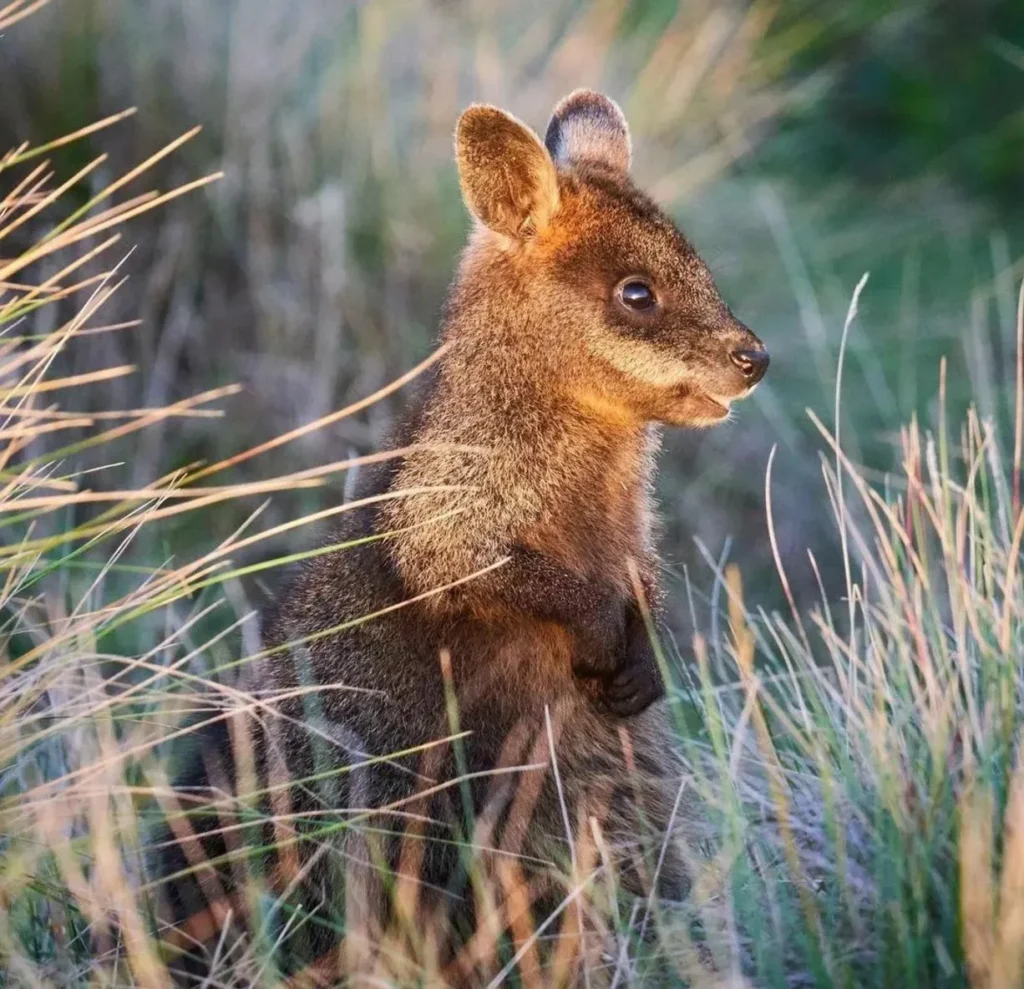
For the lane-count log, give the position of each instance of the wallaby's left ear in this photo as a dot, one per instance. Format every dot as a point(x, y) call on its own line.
point(508, 179)
point(588, 128)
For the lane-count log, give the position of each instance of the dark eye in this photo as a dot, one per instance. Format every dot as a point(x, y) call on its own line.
point(636, 295)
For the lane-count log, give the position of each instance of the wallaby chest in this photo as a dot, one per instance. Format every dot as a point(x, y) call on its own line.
point(598, 517)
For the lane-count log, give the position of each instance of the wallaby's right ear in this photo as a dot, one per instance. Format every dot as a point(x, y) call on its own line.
point(588, 128)
point(508, 179)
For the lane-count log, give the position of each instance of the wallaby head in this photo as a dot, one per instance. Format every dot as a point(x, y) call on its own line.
point(613, 303)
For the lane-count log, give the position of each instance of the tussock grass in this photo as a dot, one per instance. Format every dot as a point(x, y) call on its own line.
point(84, 728)
point(865, 755)
point(858, 764)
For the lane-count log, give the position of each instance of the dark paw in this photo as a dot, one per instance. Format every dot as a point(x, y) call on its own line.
point(595, 661)
point(632, 690)
point(600, 655)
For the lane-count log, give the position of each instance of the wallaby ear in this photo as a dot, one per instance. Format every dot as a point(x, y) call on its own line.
point(588, 128)
point(508, 179)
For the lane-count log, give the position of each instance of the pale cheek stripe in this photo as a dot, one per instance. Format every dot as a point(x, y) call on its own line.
point(663, 373)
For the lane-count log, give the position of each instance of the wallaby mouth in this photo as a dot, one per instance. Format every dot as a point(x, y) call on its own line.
point(725, 401)
point(696, 407)
point(722, 402)
point(705, 407)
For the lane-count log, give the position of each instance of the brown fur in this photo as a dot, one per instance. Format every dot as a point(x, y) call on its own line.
point(541, 425)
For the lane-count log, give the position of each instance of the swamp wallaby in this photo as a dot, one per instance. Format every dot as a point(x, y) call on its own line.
point(504, 695)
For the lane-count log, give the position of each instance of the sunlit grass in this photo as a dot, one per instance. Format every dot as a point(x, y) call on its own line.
point(857, 764)
point(83, 727)
point(864, 760)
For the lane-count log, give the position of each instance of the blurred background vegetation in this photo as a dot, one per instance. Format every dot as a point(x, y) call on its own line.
point(800, 143)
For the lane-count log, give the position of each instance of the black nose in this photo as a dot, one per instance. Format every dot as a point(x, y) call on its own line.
point(752, 364)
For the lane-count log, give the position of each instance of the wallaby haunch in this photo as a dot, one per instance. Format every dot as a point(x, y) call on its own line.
point(579, 322)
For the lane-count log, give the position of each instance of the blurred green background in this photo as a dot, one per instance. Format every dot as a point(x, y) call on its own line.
point(799, 144)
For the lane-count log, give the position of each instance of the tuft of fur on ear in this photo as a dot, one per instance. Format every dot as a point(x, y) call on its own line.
point(508, 179)
point(588, 128)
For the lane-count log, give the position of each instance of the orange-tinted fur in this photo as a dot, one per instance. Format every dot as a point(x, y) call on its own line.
point(539, 430)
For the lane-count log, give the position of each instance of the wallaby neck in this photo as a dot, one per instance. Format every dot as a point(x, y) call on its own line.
point(500, 390)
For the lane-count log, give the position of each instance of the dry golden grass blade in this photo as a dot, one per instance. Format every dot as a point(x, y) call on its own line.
point(14, 479)
point(18, 504)
point(25, 190)
point(35, 299)
point(327, 420)
point(977, 887)
point(234, 546)
point(179, 409)
point(75, 234)
point(100, 219)
point(14, 12)
point(9, 309)
point(51, 197)
point(189, 573)
point(1008, 954)
point(9, 156)
point(31, 429)
point(42, 352)
point(88, 331)
point(28, 389)
point(125, 179)
point(46, 351)
point(143, 418)
point(108, 527)
point(26, 153)
point(16, 286)
point(71, 381)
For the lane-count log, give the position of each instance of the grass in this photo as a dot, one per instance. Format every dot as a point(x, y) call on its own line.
point(858, 764)
point(856, 760)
